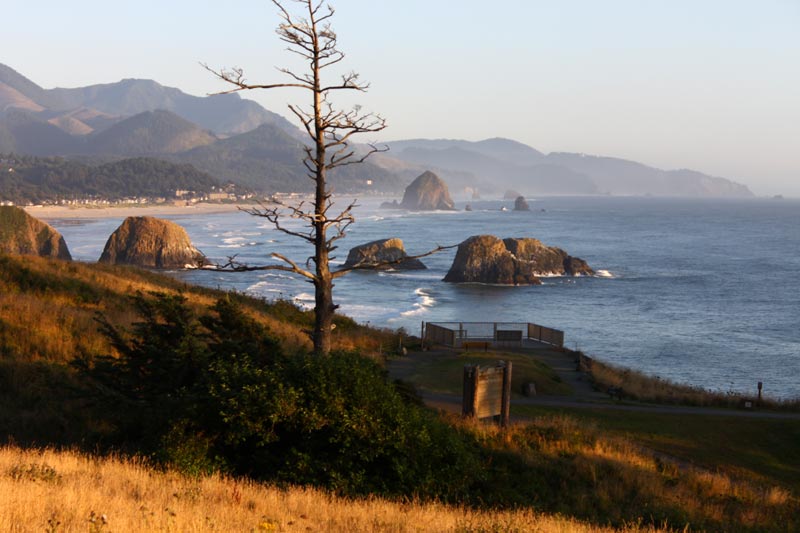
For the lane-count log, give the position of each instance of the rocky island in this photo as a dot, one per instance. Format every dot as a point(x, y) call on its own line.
point(381, 255)
point(520, 204)
point(151, 243)
point(427, 193)
point(513, 261)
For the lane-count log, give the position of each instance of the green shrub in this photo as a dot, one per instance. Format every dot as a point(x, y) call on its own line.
point(216, 392)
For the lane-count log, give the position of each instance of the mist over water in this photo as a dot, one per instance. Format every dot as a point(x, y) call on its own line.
point(703, 292)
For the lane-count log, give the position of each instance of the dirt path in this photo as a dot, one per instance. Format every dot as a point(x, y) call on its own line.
point(584, 396)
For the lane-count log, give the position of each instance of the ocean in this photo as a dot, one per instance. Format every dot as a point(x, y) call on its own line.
point(700, 291)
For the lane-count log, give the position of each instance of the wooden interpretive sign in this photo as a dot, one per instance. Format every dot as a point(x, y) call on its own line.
point(487, 391)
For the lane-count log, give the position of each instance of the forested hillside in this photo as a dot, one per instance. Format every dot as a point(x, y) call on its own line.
point(30, 179)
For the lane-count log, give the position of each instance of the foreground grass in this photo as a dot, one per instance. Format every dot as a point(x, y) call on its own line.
point(46, 490)
point(765, 451)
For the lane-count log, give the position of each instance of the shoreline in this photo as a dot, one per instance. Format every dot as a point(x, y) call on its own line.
point(51, 212)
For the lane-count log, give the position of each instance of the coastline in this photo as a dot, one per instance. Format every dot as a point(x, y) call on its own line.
point(49, 212)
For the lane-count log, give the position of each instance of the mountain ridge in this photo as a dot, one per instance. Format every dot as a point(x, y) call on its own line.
point(499, 163)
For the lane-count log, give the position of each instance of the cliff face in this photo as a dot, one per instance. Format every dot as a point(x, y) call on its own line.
point(427, 193)
point(22, 234)
point(488, 259)
point(151, 243)
point(372, 254)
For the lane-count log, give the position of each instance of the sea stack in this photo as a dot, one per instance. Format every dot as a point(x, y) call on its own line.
point(382, 255)
point(520, 204)
point(22, 234)
point(151, 243)
point(427, 193)
point(488, 259)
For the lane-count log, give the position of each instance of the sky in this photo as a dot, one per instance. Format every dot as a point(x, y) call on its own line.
point(703, 84)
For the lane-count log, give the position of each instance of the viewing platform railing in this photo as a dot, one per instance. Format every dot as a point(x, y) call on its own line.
point(492, 334)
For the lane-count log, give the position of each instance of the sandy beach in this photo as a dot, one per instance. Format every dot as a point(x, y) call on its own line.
point(61, 212)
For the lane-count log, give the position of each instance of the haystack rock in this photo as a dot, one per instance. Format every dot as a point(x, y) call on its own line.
point(375, 255)
point(427, 193)
point(22, 234)
point(151, 243)
point(520, 204)
point(510, 194)
point(488, 259)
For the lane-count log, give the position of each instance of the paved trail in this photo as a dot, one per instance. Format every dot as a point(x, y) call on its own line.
point(584, 395)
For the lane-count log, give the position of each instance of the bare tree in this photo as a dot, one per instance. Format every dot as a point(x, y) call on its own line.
point(310, 36)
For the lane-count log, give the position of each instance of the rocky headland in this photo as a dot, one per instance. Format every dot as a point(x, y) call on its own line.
point(151, 243)
point(513, 261)
point(22, 234)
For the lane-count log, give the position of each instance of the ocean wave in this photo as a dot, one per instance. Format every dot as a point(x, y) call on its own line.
point(425, 302)
point(604, 274)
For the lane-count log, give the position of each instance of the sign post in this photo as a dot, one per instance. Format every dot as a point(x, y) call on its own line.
point(487, 392)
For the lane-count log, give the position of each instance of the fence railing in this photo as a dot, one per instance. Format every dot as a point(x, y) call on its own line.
point(455, 334)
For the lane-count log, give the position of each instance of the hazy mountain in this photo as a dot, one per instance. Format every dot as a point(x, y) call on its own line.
point(12, 98)
point(222, 114)
point(149, 133)
point(25, 133)
point(28, 89)
point(498, 164)
point(506, 150)
point(268, 159)
point(619, 176)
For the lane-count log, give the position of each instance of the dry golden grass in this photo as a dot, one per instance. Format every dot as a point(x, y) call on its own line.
point(46, 490)
point(610, 468)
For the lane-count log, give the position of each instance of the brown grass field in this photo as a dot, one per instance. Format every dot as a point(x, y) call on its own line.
point(51, 491)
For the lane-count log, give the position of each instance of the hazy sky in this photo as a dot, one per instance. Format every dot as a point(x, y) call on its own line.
point(703, 84)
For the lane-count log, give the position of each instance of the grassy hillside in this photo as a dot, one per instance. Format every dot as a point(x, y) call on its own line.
point(184, 392)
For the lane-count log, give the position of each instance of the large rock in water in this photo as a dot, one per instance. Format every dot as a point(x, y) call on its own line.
point(547, 260)
point(22, 234)
point(372, 254)
point(520, 204)
point(488, 259)
point(151, 243)
point(427, 193)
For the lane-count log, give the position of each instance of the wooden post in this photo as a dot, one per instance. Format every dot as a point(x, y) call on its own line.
point(760, 386)
point(468, 391)
point(505, 410)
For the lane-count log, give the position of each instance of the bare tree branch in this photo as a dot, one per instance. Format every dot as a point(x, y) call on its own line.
point(363, 265)
point(310, 36)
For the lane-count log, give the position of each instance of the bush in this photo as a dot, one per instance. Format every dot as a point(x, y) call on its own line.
point(216, 392)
